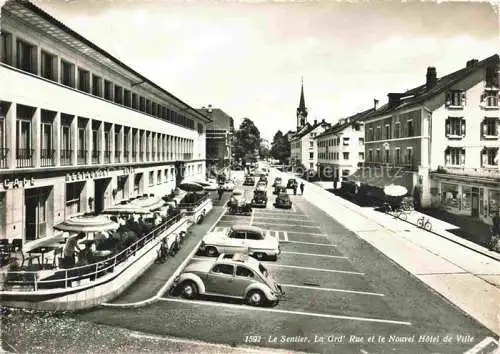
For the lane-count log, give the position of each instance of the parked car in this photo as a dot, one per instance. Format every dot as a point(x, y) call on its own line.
point(259, 197)
point(261, 184)
point(279, 189)
point(209, 185)
point(253, 240)
point(283, 201)
point(263, 178)
point(235, 276)
point(249, 181)
point(277, 181)
point(292, 182)
point(238, 203)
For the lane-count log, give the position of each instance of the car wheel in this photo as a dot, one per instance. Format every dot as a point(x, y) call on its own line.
point(212, 252)
point(256, 298)
point(259, 255)
point(189, 290)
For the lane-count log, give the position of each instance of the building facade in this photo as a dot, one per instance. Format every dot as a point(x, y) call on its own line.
point(79, 130)
point(444, 136)
point(341, 148)
point(219, 135)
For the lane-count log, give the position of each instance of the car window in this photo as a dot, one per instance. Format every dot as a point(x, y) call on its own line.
point(223, 268)
point(254, 236)
point(263, 270)
point(243, 272)
point(238, 235)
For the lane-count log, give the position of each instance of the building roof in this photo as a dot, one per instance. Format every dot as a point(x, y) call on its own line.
point(36, 17)
point(220, 119)
point(346, 122)
point(421, 93)
point(307, 129)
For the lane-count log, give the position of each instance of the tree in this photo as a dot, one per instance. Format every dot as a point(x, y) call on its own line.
point(246, 141)
point(280, 147)
point(263, 150)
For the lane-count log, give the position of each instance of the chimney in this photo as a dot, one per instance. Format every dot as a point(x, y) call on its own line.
point(471, 62)
point(315, 121)
point(394, 99)
point(431, 78)
point(375, 104)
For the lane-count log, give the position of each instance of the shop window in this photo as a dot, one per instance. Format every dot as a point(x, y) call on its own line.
point(449, 197)
point(466, 202)
point(121, 182)
point(27, 57)
point(137, 183)
point(493, 201)
point(49, 66)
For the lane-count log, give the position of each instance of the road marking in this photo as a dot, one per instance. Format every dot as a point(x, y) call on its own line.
point(331, 289)
point(285, 236)
point(281, 224)
point(308, 233)
point(251, 219)
point(300, 313)
point(285, 218)
point(314, 254)
point(312, 243)
point(169, 282)
point(312, 268)
point(293, 208)
point(279, 212)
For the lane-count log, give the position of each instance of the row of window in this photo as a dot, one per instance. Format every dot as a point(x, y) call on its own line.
point(455, 156)
point(336, 141)
point(89, 136)
point(391, 156)
point(388, 133)
point(82, 79)
point(336, 155)
point(455, 127)
point(458, 98)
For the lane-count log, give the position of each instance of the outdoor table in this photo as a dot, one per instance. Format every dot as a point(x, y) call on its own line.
point(41, 250)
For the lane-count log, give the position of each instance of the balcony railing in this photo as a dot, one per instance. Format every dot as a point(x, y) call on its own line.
point(81, 156)
point(117, 156)
point(4, 152)
point(134, 156)
point(187, 156)
point(66, 157)
point(24, 157)
point(125, 156)
point(47, 157)
point(107, 156)
point(95, 156)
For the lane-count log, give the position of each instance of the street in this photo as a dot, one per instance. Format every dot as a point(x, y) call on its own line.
point(341, 293)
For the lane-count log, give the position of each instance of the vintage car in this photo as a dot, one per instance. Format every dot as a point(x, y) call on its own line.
point(239, 203)
point(278, 189)
point(209, 185)
point(249, 181)
point(234, 276)
point(263, 178)
point(283, 201)
point(277, 181)
point(241, 238)
point(259, 197)
point(292, 183)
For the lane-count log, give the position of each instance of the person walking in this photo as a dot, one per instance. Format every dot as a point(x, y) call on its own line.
point(220, 191)
point(301, 188)
point(294, 187)
point(495, 231)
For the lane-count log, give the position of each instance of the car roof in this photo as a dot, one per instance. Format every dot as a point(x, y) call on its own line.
point(236, 258)
point(244, 227)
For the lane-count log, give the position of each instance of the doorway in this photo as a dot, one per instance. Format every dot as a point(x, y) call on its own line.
point(100, 187)
point(35, 213)
point(475, 202)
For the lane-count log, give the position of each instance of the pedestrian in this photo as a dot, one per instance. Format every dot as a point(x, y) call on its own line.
point(301, 188)
point(294, 187)
point(221, 192)
point(495, 231)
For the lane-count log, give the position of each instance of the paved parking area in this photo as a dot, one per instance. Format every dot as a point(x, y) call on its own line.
point(341, 296)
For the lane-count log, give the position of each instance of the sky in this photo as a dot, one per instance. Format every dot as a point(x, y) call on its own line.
point(248, 58)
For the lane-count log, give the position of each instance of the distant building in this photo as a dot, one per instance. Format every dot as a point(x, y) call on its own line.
point(441, 140)
point(218, 137)
point(303, 147)
point(341, 148)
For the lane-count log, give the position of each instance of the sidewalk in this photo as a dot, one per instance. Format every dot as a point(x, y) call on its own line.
point(467, 274)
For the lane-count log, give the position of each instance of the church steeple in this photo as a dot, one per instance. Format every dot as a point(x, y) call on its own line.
point(302, 109)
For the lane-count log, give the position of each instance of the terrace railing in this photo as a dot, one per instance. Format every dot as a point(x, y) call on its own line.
point(3, 157)
point(24, 157)
point(29, 281)
point(47, 157)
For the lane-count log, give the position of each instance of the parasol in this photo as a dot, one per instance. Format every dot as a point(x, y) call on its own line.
point(126, 209)
point(150, 203)
point(87, 223)
point(395, 190)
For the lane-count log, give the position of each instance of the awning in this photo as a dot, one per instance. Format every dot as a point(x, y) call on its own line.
point(380, 177)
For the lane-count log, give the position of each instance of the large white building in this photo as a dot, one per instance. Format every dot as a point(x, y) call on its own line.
point(79, 129)
point(341, 148)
